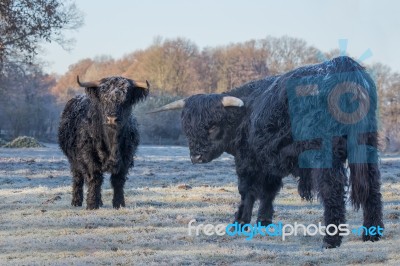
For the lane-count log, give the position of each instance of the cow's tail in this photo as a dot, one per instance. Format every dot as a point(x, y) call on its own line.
point(364, 175)
point(359, 184)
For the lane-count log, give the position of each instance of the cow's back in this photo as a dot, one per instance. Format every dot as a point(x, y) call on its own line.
point(291, 110)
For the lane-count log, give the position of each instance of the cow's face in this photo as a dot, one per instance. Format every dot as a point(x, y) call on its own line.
point(207, 125)
point(116, 96)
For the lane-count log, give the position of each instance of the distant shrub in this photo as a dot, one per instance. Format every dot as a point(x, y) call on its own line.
point(24, 142)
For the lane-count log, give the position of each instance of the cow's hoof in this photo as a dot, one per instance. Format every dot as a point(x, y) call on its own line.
point(328, 246)
point(371, 238)
point(93, 205)
point(76, 203)
point(332, 241)
point(378, 232)
point(241, 222)
point(240, 226)
point(264, 222)
point(118, 204)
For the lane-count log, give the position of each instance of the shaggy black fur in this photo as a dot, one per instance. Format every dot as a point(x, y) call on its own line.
point(261, 138)
point(94, 146)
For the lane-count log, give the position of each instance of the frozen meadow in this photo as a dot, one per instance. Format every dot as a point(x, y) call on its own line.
point(163, 193)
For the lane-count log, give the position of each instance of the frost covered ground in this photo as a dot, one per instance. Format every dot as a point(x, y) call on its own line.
point(164, 192)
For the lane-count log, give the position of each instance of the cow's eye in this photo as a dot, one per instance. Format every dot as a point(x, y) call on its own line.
point(212, 129)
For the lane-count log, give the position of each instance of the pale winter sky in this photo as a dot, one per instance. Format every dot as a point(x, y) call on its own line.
point(119, 27)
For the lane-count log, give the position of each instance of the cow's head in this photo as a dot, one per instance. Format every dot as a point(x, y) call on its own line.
point(115, 97)
point(207, 123)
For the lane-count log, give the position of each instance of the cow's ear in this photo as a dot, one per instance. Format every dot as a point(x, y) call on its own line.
point(92, 92)
point(140, 91)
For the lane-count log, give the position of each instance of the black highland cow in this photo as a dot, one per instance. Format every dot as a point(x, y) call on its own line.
point(295, 124)
point(98, 134)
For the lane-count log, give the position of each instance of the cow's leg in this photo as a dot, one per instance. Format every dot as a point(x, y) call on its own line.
point(366, 182)
point(248, 204)
point(94, 182)
point(305, 185)
point(77, 188)
point(372, 208)
point(118, 182)
point(248, 196)
point(331, 186)
point(239, 212)
point(267, 196)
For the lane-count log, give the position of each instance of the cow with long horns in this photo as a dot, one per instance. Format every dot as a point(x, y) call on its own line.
point(98, 134)
point(307, 123)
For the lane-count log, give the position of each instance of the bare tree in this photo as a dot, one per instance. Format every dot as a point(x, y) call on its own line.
point(388, 85)
point(28, 108)
point(26, 23)
point(287, 53)
point(26, 105)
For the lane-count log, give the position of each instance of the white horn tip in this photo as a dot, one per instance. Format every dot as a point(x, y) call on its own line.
point(232, 101)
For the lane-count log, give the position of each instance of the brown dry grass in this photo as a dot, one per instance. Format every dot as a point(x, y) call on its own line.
point(38, 226)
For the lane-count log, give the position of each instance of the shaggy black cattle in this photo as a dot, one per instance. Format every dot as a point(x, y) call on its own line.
point(306, 123)
point(98, 134)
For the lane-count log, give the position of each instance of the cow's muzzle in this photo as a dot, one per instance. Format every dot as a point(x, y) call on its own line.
point(196, 159)
point(112, 120)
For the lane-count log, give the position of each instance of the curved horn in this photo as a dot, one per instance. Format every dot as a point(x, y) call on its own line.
point(171, 106)
point(142, 85)
point(90, 84)
point(232, 101)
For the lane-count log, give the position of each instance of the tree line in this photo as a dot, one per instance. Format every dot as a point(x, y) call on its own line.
point(178, 68)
